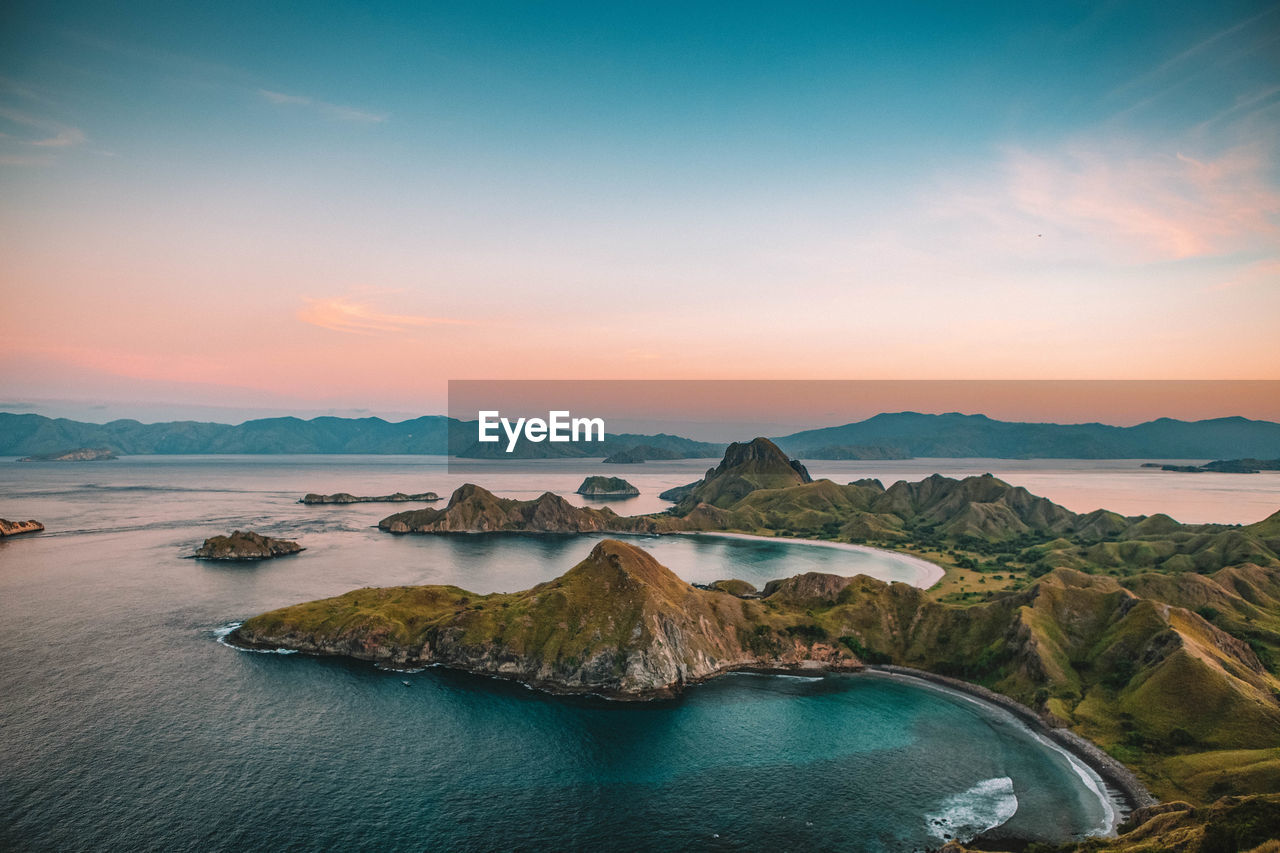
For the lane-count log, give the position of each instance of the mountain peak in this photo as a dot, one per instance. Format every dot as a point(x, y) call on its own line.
point(746, 467)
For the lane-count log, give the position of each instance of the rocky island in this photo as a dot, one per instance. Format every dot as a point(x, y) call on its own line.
point(1157, 641)
point(1223, 466)
point(16, 528)
point(346, 498)
point(243, 545)
point(82, 454)
point(607, 487)
point(1083, 652)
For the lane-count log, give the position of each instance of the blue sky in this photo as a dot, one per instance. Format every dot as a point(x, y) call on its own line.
point(715, 190)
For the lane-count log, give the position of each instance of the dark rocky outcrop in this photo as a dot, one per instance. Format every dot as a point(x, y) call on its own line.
point(607, 487)
point(347, 498)
point(16, 528)
point(245, 545)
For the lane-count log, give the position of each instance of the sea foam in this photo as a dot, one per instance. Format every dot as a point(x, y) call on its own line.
point(963, 816)
point(221, 634)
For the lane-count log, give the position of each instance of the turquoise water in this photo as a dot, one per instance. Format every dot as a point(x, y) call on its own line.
point(125, 724)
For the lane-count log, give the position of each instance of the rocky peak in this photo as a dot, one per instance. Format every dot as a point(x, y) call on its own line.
point(746, 467)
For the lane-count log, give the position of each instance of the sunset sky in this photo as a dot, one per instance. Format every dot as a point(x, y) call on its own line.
point(330, 206)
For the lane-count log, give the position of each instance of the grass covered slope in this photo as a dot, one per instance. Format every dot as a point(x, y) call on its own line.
point(618, 624)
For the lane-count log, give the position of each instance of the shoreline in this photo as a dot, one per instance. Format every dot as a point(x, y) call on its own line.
point(919, 563)
point(1113, 773)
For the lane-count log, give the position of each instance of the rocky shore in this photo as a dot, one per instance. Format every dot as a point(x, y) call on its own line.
point(15, 528)
point(1115, 774)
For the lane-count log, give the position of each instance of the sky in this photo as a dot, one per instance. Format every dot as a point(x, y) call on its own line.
point(338, 207)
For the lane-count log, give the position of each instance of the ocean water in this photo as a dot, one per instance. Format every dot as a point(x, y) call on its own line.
point(126, 724)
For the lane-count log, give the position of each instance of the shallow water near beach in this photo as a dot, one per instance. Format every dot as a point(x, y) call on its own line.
point(126, 724)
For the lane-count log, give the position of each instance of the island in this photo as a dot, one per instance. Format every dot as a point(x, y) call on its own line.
point(82, 454)
point(17, 528)
point(346, 498)
point(245, 545)
point(1141, 641)
point(1223, 466)
point(607, 487)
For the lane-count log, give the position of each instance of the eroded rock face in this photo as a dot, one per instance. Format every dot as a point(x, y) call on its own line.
point(14, 528)
point(246, 545)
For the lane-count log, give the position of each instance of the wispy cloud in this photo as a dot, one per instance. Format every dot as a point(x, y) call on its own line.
point(348, 314)
point(1129, 201)
point(324, 108)
point(41, 132)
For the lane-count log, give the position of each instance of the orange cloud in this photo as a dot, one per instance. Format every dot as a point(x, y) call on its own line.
point(1158, 206)
point(342, 314)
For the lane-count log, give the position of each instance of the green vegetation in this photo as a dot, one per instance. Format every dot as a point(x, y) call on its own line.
point(1158, 641)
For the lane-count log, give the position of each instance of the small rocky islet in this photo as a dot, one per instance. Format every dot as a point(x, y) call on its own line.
point(348, 498)
point(607, 487)
point(245, 546)
point(17, 528)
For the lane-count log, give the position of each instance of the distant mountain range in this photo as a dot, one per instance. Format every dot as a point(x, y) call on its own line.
point(953, 435)
point(32, 435)
point(887, 436)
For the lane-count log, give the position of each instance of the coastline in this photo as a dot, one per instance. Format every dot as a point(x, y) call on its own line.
point(924, 569)
point(1117, 776)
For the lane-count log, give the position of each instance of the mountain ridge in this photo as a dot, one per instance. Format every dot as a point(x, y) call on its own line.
point(887, 435)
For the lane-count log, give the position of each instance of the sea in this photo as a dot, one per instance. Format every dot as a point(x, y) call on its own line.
point(127, 723)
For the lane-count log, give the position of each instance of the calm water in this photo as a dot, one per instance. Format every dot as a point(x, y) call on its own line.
point(124, 723)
